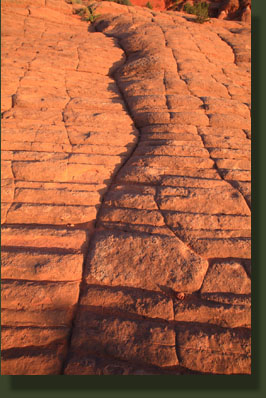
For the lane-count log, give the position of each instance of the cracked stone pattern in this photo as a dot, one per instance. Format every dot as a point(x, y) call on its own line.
point(126, 192)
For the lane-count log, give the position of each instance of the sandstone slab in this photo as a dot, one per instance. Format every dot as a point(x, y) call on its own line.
point(126, 143)
point(219, 351)
point(144, 261)
point(126, 339)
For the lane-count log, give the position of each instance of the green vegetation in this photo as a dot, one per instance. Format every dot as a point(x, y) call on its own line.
point(123, 2)
point(149, 5)
point(87, 14)
point(201, 9)
point(189, 9)
point(74, 1)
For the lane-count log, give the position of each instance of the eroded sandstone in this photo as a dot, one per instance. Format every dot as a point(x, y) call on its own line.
point(126, 192)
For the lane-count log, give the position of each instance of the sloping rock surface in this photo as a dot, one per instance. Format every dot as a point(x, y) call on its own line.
point(125, 192)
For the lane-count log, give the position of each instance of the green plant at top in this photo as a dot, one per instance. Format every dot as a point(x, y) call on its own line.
point(149, 5)
point(74, 1)
point(87, 14)
point(200, 9)
point(123, 2)
point(188, 8)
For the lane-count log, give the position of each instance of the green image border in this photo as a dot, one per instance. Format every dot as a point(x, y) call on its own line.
point(190, 386)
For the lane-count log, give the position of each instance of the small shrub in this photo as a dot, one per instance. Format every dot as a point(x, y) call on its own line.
point(74, 1)
point(188, 8)
point(200, 9)
point(87, 14)
point(202, 12)
point(123, 2)
point(81, 12)
point(149, 5)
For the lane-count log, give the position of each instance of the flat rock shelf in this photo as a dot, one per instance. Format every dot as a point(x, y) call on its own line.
point(125, 192)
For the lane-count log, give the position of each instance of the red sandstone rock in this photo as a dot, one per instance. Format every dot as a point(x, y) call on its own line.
point(44, 238)
point(128, 148)
point(136, 262)
point(219, 351)
point(37, 266)
point(222, 314)
point(87, 365)
point(37, 363)
point(126, 339)
point(227, 277)
point(22, 337)
point(117, 300)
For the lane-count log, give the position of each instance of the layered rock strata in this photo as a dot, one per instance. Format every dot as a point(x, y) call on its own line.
point(151, 134)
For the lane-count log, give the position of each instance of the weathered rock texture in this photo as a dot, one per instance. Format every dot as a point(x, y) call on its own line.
point(126, 192)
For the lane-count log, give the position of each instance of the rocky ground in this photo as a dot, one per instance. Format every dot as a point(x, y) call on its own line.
point(125, 192)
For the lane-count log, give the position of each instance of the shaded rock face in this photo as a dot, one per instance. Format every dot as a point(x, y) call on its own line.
point(222, 9)
point(126, 192)
point(236, 9)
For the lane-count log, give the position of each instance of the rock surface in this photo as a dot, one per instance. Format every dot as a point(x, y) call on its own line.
point(125, 192)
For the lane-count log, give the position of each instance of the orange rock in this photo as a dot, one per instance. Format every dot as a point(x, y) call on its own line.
point(44, 238)
point(133, 216)
point(38, 304)
point(227, 277)
point(130, 200)
point(57, 196)
point(223, 248)
point(205, 201)
point(197, 221)
point(102, 366)
point(38, 266)
point(40, 363)
point(25, 213)
point(222, 120)
point(125, 142)
point(213, 349)
point(201, 87)
point(217, 105)
point(133, 301)
point(144, 261)
point(23, 337)
point(221, 314)
point(126, 339)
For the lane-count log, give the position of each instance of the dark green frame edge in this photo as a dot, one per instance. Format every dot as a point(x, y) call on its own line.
point(190, 386)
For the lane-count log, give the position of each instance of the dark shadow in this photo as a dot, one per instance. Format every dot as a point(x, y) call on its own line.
point(168, 291)
point(153, 382)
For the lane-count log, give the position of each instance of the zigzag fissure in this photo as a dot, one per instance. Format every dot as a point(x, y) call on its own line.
point(90, 238)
